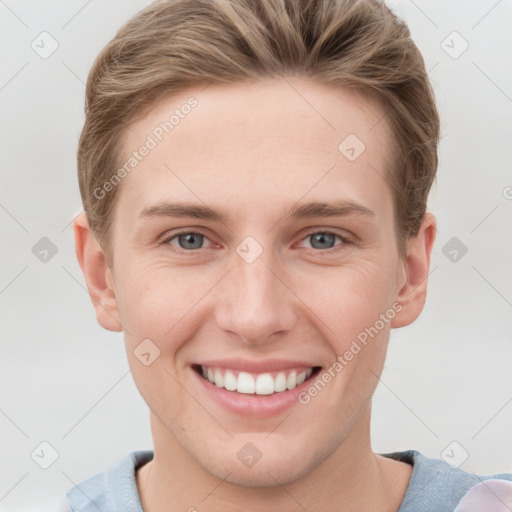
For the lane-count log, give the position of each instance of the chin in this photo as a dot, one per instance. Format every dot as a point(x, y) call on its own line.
point(271, 474)
point(274, 467)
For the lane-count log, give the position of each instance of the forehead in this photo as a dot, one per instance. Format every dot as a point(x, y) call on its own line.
point(283, 137)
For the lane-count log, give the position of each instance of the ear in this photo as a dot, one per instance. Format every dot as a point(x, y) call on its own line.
point(97, 274)
point(416, 264)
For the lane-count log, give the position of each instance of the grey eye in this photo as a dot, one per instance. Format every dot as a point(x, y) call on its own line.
point(191, 240)
point(322, 240)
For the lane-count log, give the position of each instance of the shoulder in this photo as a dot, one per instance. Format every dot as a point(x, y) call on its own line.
point(435, 485)
point(112, 490)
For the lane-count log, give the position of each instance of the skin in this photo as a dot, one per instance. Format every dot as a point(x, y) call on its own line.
point(254, 150)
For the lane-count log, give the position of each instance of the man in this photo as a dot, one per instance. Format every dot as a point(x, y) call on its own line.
point(255, 177)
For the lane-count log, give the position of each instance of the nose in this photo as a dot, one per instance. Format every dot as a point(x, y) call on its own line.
point(254, 303)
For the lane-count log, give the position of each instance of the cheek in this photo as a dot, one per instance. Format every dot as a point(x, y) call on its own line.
point(155, 306)
point(158, 302)
point(359, 309)
point(350, 299)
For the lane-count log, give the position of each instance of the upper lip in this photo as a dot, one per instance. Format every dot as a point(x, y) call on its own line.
point(253, 366)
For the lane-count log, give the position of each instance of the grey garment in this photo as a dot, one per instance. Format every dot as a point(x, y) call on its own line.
point(434, 486)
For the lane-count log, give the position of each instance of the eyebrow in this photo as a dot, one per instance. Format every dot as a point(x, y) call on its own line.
point(183, 210)
point(298, 211)
point(317, 209)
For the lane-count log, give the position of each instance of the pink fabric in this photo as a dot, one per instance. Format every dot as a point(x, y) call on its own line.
point(487, 496)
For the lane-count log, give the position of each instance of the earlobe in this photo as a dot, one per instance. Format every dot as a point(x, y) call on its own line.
point(97, 275)
point(413, 293)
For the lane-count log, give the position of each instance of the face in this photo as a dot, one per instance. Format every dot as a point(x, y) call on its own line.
point(254, 247)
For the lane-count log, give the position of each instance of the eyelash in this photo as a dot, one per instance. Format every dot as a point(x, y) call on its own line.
point(344, 239)
point(344, 242)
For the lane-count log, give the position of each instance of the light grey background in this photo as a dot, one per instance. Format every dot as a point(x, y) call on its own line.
point(66, 381)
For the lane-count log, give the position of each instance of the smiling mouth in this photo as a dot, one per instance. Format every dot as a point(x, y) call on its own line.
point(268, 383)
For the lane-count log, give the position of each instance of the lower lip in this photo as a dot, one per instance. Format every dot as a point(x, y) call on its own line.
point(260, 406)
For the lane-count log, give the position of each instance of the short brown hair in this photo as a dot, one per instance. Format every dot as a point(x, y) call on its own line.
point(172, 45)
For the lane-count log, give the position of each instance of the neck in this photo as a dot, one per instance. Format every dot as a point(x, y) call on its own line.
point(352, 478)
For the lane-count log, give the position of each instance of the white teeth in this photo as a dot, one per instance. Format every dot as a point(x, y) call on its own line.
point(245, 383)
point(280, 383)
point(262, 384)
point(291, 381)
point(230, 381)
point(301, 377)
point(219, 379)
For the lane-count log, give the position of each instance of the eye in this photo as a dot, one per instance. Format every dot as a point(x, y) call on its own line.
point(322, 240)
point(188, 240)
point(325, 240)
